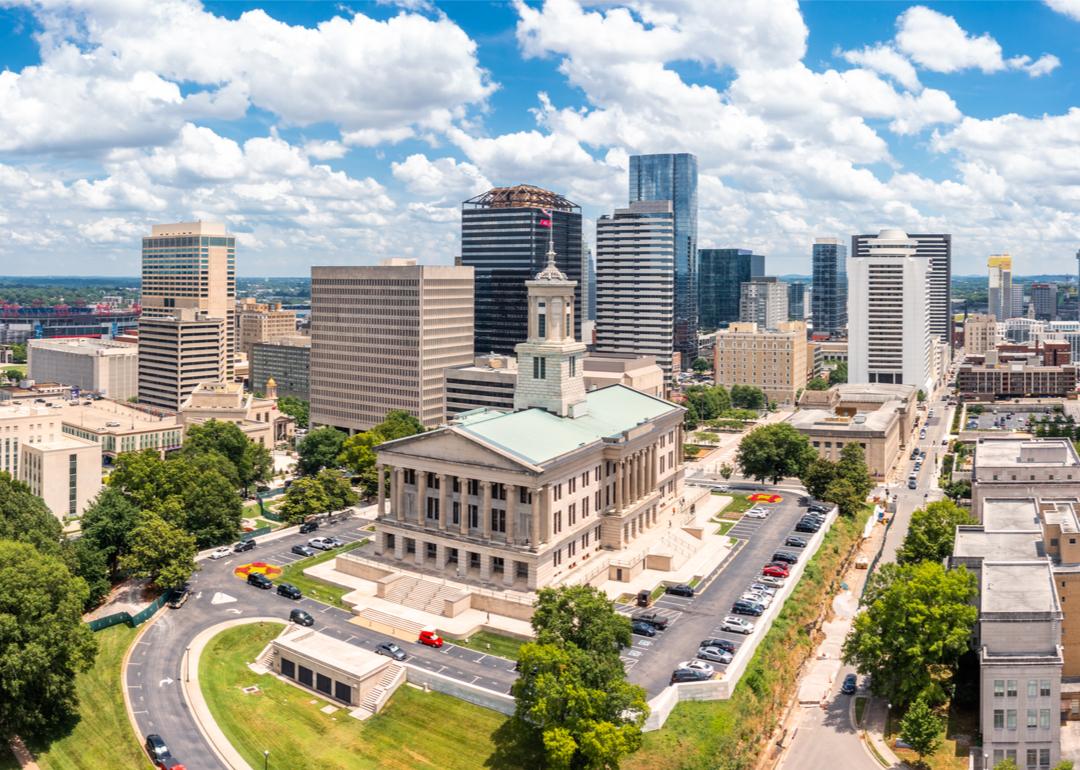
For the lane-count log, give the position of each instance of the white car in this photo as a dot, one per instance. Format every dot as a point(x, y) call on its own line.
point(769, 580)
point(715, 654)
point(737, 625)
point(221, 553)
point(322, 543)
point(697, 665)
point(761, 588)
point(762, 599)
point(756, 513)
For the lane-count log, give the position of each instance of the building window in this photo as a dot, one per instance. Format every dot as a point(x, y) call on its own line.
point(433, 508)
point(474, 487)
point(1044, 688)
point(1032, 718)
point(1010, 719)
point(573, 485)
point(573, 366)
point(288, 668)
point(1044, 758)
point(556, 557)
point(571, 514)
point(999, 688)
point(343, 692)
point(1032, 759)
point(410, 476)
point(1010, 688)
point(1044, 719)
point(498, 520)
point(558, 492)
point(474, 517)
point(1033, 688)
point(541, 319)
point(524, 495)
point(999, 719)
point(585, 507)
point(456, 514)
point(558, 522)
point(539, 368)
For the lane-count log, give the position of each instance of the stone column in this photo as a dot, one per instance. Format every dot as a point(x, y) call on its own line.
point(463, 520)
point(654, 466)
point(545, 513)
point(639, 475)
point(511, 511)
point(441, 553)
point(421, 498)
point(618, 486)
point(399, 494)
point(534, 521)
point(627, 497)
point(509, 568)
point(421, 548)
point(485, 566)
point(399, 547)
point(382, 491)
point(485, 510)
point(444, 500)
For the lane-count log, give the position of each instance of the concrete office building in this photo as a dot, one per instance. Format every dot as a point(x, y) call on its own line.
point(993, 378)
point(1044, 299)
point(999, 287)
point(381, 338)
point(261, 322)
point(796, 305)
point(635, 274)
point(763, 301)
point(92, 365)
point(721, 273)
point(286, 360)
point(674, 177)
point(504, 239)
point(188, 289)
point(936, 248)
point(1020, 468)
point(829, 298)
point(120, 427)
point(773, 360)
point(889, 320)
point(258, 418)
point(981, 334)
point(557, 491)
point(642, 373)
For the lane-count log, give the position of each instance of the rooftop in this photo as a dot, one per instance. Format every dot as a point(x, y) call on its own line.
point(1016, 515)
point(61, 444)
point(874, 392)
point(1018, 587)
point(22, 409)
point(1061, 513)
point(97, 416)
point(975, 542)
point(86, 346)
point(1007, 452)
point(346, 657)
point(825, 419)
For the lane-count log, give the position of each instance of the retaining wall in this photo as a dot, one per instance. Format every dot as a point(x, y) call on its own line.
point(480, 696)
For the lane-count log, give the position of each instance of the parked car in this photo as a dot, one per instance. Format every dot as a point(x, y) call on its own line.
point(771, 580)
point(289, 591)
point(653, 618)
point(850, 685)
point(179, 596)
point(819, 507)
point(724, 644)
point(156, 747)
point(757, 513)
point(221, 553)
point(753, 596)
point(244, 545)
point(786, 556)
point(743, 607)
point(795, 542)
point(302, 618)
point(259, 580)
point(308, 526)
point(807, 526)
point(682, 589)
point(335, 542)
point(430, 637)
point(697, 665)
point(922, 433)
point(760, 588)
point(689, 675)
point(322, 543)
point(737, 625)
point(714, 654)
point(642, 628)
point(390, 650)
point(914, 453)
point(771, 570)
point(302, 550)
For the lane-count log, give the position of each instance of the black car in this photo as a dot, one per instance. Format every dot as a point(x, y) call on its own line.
point(804, 500)
point(243, 545)
point(807, 527)
point(743, 607)
point(289, 591)
point(655, 619)
point(302, 618)
point(259, 580)
point(795, 542)
point(642, 628)
point(155, 747)
point(390, 650)
point(308, 526)
point(689, 675)
point(724, 644)
point(302, 550)
point(850, 685)
point(820, 507)
point(179, 596)
point(682, 589)
point(786, 556)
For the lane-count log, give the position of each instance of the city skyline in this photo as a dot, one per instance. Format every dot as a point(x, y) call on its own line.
point(948, 118)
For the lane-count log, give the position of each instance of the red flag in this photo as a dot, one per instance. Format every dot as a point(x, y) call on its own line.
point(546, 221)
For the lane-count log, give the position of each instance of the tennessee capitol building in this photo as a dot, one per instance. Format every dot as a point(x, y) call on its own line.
point(550, 492)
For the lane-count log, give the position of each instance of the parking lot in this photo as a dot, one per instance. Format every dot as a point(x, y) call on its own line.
point(650, 661)
point(1004, 419)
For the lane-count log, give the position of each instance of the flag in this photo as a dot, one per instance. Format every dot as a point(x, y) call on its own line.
point(545, 221)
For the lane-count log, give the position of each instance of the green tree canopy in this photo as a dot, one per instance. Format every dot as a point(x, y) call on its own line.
point(339, 493)
point(725, 471)
point(251, 460)
point(701, 365)
point(921, 728)
point(852, 467)
point(358, 450)
point(773, 452)
point(839, 374)
point(705, 402)
point(818, 383)
point(43, 642)
point(108, 523)
point(24, 517)
point(305, 497)
point(162, 553)
point(319, 449)
point(847, 498)
point(748, 397)
point(817, 477)
point(932, 532)
point(915, 625)
point(295, 408)
point(85, 560)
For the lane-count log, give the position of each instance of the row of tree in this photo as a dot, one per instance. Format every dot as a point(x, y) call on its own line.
point(708, 402)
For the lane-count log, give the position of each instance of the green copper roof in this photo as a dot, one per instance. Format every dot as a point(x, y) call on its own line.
point(538, 437)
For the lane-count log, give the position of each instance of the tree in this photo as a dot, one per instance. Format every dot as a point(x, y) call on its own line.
point(319, 449)
point(143, 478)
point(774, 452)
point(250, 460)
point(958, 490)
point(18, 352)
point(932, 532)
point(847, 498)
point(1065, 764)
point(921, 728)
point(43, 642)
point(13, 374)
point(701, 365)
point(398, 423)
point(1006, 764)
point(852, 467)
point(212, 509)
point(107, 523)
point(747, 397)
point(725, 471)
point(85, 560)
point(581, 616)
point(706, 401)
point(818, 383)
point(358, 451)
point(305, 497)
point(339, 494)
point(160, 552)
point(295, 408)
point(916, 623)
point(839, 374)
point(920, 395)
point(25, 518)
point(817, 477)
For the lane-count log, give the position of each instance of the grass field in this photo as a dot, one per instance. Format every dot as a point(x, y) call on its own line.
point(952, 754)
point(725, 526)
point(738, 504)
point(415, 730)
point(496, 644)
point(320, 590)
point(104, 730)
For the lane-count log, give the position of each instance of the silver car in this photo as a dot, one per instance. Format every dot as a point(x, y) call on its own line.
point(714, 654)
point(761, 588)
point(737, 625)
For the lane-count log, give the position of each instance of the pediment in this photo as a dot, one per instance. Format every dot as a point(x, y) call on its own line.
point(450, 445)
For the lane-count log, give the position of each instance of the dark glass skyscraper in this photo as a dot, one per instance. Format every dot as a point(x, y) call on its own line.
point(721, 273)
point(828, 298)
point(502, 238)
point(674, 177)
point(796, 301)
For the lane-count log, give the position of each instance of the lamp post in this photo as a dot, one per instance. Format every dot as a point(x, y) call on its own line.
point(266, 758)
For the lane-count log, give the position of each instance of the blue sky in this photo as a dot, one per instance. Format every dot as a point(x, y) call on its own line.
point(331, 133)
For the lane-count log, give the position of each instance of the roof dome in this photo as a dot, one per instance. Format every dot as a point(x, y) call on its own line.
point(892, 234)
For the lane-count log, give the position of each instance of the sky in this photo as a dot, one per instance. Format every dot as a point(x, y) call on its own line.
point(346, 133)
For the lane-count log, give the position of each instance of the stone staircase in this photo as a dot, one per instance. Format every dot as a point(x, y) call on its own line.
point(679, 544)
point(387, 623)
point(376, 699)
point(420, 594)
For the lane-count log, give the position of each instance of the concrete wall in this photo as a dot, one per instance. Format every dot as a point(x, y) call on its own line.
point(501, 606)
point(480, 696)
point(359, 569)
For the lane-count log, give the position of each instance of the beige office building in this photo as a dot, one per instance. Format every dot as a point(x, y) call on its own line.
point(260, 322)
point(120, 427)
point(980, 334)
point(775, 361)
point(188, 293)
point(381, 338)
point(99, 366)
point(259, 418)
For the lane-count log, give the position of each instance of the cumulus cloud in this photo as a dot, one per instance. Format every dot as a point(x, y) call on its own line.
point(1070, 8)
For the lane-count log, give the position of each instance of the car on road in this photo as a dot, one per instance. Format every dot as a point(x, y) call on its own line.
point(795, 542)
point(641, 628)
point(771, 580)
point(850, 685)
point(179, 596)
point(289, 591)
point(301, 618)
point(912, 483)
point(682, 589)
point(308, 526)
point(221, 553)
point(774, 570)
point(322, 543)
point(259, 580)
point(654, 619)
point(786, 556)
point(243, 545)
point(430, 637)
point(724, 644)
point(922, 433)
point(760, 588)
point(302, 550)
point(390, 650)
point(689, 675)
point(160, 756)
point(697, 665)
point(737, 625)
point(757, 513)
point(914, 453)
point(714, 655)
point(744, 607)
point(807, 526)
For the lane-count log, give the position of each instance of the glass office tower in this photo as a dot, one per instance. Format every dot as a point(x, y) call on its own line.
point(674, 177)
point(828, 300)
point(796, 307)
point(721, 273)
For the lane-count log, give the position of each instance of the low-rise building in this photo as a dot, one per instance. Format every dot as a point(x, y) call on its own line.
point(97, 366)
point(259, 418)
point(993, 378)
point(119, 427)
point(773, 360)
point(640, 372)
point(287, 361)
point(261, 322)
point(1023, 468)
point(981, 334)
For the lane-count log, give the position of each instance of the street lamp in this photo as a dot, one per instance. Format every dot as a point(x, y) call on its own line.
point(266, 758)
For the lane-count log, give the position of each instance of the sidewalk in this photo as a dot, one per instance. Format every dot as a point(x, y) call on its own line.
point(877, 710)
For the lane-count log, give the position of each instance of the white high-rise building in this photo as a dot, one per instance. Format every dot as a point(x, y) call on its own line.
point(888, 313)
point(763, 300)
point(938, 248)
point(635, 281)
point(999, 295)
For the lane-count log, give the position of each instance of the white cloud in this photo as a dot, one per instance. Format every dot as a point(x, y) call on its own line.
point(886, 60)
point(443, 178)
point(325, 150)
point(1070, 8)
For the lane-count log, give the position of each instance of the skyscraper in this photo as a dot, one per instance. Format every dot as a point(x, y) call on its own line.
point(635, 276)
point(674, 177)
point(590, 313)
point(763, 301)
point(937, 247)
point(999, 296)
point(720, 274)
point(796, 308)
point(188, 316)
point(504, 239)
point(1044, 298)
point(889, 338)
point(828, 300)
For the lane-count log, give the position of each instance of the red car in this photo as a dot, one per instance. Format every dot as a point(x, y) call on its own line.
point(430, 637)
point(776, 570)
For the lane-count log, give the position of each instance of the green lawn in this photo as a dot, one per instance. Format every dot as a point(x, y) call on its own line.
point(103, 736)
point(496, 644)
point(738, 504)
point(860, 707)
point(415, 730)
point(725, 526)
point(314, 588)
point(960, 727)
